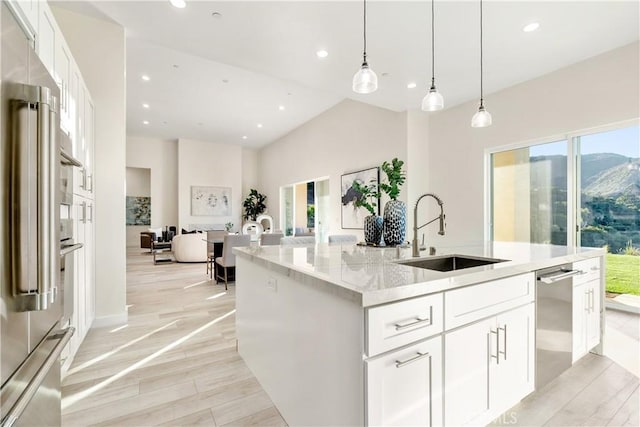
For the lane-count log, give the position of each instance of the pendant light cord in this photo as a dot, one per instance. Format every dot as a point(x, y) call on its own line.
point(481, 76)
point(433, 54)
point(364, 36)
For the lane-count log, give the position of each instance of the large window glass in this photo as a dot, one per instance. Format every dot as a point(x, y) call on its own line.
point(609, 201)
point(583, 190)
point(529, 188)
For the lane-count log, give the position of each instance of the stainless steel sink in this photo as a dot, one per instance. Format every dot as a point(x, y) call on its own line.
point(450, 262)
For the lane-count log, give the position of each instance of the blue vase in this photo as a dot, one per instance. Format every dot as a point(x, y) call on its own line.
point(373, 226)
point(395, 222)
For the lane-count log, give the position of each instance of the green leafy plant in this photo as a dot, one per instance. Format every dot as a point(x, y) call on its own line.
point(228, 226)
point(254, 205)
point(629, 249)
point(395, 178)
point(368, 198)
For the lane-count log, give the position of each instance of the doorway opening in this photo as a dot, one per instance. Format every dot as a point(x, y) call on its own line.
point(304, 209)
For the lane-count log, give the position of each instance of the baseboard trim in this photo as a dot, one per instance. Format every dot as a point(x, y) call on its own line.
point(113, 320)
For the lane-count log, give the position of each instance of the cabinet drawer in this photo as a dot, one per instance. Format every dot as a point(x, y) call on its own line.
point(466, 305)
point(394, 325)
point(590, 268)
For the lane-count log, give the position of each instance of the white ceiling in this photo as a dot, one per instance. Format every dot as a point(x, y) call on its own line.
point(265, 51)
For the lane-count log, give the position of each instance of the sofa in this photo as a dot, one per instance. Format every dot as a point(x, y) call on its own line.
point(190, 247)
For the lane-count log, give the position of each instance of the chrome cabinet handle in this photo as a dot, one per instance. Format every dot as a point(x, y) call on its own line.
point(84, 212)
point(418, 356)
point(91, 213)
point(417, 321)
point(592, 300)
point(497, 355)
point(587, 304)
point(504, 330)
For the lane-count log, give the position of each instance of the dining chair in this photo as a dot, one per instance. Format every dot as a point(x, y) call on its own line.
point(270, 239)
point(343, 238)
point(214, 248)
point(300, 240)
point(228, 259)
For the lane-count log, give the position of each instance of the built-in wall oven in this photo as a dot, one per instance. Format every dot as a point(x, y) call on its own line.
point(67, 243)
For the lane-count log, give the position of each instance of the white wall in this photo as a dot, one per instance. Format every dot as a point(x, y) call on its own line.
point(212, 164)
point(99, 49)
point(599, 91)
point(348, 137)
point(249, 171)
point(161, 156)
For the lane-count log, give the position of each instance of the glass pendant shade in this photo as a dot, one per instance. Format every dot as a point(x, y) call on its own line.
point(433, 101)
point(365, 80)
point(481, 118)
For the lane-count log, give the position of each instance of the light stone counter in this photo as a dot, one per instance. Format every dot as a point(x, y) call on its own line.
point(370, 276)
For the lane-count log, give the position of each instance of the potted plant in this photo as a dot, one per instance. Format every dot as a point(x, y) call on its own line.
point(254, 205)
point(395, 211)
point(228, 227)
point(368, 199)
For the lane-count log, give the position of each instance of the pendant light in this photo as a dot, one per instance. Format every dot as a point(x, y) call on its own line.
point(433, 101)
point(482, 118)
point(365, 80)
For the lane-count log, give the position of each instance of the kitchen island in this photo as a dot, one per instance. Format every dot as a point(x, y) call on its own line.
point(350, 335)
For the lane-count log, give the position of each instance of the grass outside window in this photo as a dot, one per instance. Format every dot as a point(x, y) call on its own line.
point(623, 274)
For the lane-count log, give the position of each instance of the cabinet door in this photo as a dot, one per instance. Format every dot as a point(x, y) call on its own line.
point(63, 78)
point(89, 143)
point(593, 314)
point(466, 378)
point(579, 317)
point(89, 252)
point(404, 386)
point(46, 38)
point(512, 373)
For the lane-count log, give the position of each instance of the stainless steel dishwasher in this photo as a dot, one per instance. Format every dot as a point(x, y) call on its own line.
point(554, 325)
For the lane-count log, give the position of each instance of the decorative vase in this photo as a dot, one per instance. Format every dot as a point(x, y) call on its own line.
point(373, 226)
point(395, 221)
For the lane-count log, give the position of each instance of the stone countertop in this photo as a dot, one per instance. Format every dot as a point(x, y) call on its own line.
point(371, 276)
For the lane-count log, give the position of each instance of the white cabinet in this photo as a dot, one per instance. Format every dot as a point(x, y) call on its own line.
point(404, 387)
point(27, 11)
point(46, 37)
point(489, 366)
point(587, 301)
point(62, 76)
point(394, 325)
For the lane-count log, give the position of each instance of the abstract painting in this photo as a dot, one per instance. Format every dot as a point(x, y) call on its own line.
point(138, 210)
point(353, 217)
point(210, 201)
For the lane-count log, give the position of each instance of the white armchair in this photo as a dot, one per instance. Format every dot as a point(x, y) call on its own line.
point(190, 247)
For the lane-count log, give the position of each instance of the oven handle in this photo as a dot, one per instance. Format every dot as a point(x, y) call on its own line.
point(69, 160)
point(557, 276)
point(32, 388)
point(66, 250)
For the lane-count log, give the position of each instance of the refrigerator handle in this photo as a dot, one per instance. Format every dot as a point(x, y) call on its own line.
point(31, 389)
point(38, 292)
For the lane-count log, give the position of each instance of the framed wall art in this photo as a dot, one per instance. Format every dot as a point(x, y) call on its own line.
point(353, 217)
point(210, 201)
point(138, 210)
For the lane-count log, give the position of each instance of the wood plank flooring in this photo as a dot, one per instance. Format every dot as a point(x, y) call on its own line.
point(175, 364)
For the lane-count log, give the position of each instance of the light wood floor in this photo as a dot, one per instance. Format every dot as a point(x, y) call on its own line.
point(175, 364)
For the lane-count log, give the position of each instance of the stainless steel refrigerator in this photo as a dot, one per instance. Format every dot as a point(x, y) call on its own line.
point(31, 259)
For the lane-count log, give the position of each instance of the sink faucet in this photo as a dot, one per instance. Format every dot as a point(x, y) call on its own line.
point(416, 249)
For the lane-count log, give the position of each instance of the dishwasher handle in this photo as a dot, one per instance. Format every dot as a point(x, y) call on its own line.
point(557, 276)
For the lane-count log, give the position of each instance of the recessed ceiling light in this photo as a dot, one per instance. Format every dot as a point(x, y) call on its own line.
point(180, 4)
point(322, 53)
point(145, 105)
point(225, 81)
point(244, 136)
point(145, 122)
point(216, 15)
point(146, 78)
point(259, 125)
point(385, 74)
point(531, 27)
point(281, 108)
point(176, 66)
point(411, 85)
